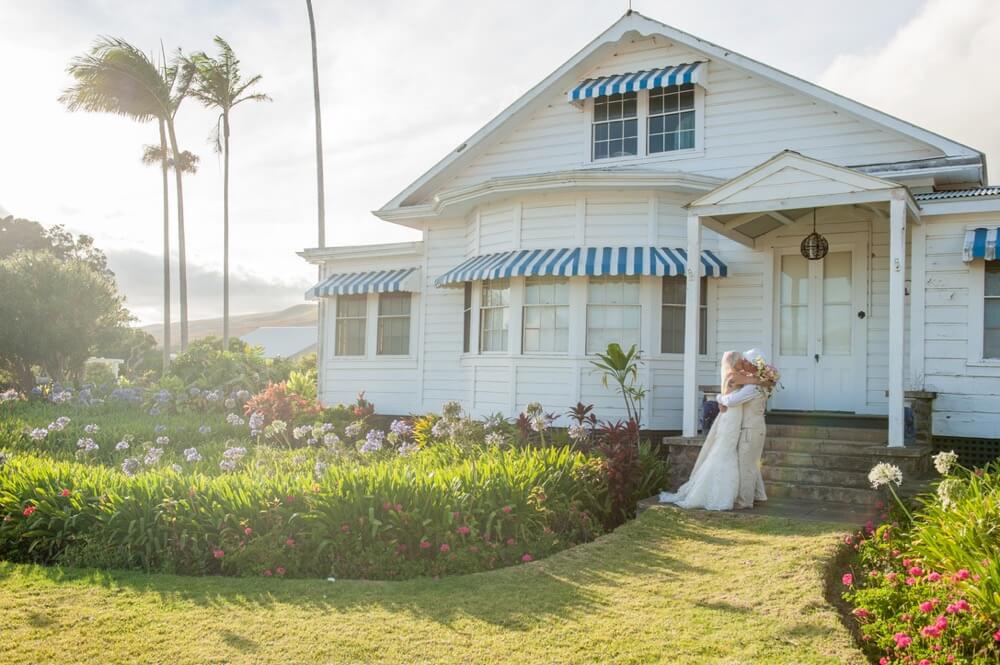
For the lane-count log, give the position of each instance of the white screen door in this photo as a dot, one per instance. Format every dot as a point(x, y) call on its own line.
point(817, 331)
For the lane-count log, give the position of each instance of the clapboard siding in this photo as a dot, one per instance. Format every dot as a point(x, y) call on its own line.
point(548, 222)
point(442, 376)
point(613, 218)
point(746, 121)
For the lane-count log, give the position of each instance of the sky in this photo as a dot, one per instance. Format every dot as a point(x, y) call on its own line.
point(402, 83)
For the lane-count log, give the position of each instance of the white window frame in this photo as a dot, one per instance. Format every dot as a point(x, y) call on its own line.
point(380, 317)
point(637, 305)
point(546, 306)
point(337, 318)
point(703, 328)
point(483, 309)
point(468, 308)
point(642, 113)
point(664, 115)
point(977, 316)
point(623, 119)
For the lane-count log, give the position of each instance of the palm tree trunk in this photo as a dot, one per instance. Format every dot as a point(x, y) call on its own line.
point(319, 130)
point(225, 233)
point(181, 245)
point(166, 250)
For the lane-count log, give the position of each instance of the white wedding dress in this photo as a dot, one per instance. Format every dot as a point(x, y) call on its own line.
point(715, 480)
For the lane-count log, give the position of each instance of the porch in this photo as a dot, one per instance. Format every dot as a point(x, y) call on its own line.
point(816, 310)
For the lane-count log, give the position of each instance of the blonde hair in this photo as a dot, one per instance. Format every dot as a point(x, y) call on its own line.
point(729, 361)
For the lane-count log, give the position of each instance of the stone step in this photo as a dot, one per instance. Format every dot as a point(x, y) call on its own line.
point(856, 434)
point(825, 447)
point(817, 460)
point(828, 493)
point(811, 476)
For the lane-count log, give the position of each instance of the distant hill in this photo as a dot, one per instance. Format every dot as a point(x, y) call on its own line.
point(297, 315)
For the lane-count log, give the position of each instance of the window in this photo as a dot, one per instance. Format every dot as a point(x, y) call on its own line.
point(493, 315)
point(546, 315)
point(671, 119)
point(673, 315)
point(350, 328)
point(991, 312)
point(616, 127)
point(393, 324)
point(467, 317)
point(613, 312)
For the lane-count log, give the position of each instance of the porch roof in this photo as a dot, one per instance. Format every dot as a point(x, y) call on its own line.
point(784, 189)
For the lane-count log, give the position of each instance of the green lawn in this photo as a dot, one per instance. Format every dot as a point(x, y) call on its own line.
point(670, 587)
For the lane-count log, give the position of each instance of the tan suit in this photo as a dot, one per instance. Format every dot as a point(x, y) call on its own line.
point(749, 449)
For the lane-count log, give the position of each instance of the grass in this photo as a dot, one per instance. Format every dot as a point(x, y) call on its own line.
point(670, 587)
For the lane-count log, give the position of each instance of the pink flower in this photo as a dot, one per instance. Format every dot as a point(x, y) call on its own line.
point(425, 544)
point(507, 509)
point(930, 631)
point(400, 548)
point(280, 570)
point(289, 499)
point(862, 613)
point(511, 541)
point(345, 528)
point(963, 605)
point(456, 515)
point(879, 505)
point(951, 609)
point(848, 540)
point(941, 623)
point(27, 512)
point(961, 575)
point(267, 573)
point(463, 530)
point(890, 576)
point(911, 581)
point(847, 579)
point(916, 571)
point(996, 636)
point(924, 661)
point(387, 505)
point(527, 558)
point(445, 548)
point(926, 607)
point(218, 554)
point(883, 661)
point(290, 542)
point(902, 640)
point(934, 577)
point(248, 531)
point(398, 507)
point(65, 492)
point(907, 563)
point(873, 573)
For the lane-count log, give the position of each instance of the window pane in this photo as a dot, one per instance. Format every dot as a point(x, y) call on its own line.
point(794, 280)
point(993, 278)
point(674, 290)
point(793, 330)
point(685, 140)
point(600, 150)
point(991, 332)
point(349, 331)
point(672, 330)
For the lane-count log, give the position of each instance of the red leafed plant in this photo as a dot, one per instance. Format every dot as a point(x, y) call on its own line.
point(616, 443)
point(277, 402)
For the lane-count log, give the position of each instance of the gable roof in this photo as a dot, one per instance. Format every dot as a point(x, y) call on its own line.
point(631, 22)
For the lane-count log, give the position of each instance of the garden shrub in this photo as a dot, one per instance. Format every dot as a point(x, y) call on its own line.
point(925, 587)
point(278, 402)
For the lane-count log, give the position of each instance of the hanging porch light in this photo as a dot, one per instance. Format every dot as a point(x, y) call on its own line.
point(814, 246)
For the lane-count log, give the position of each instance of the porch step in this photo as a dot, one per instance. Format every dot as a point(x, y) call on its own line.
point(824, 446)
point(825, 493)
point(824, 433)
point(805, 475)
point(817, 460)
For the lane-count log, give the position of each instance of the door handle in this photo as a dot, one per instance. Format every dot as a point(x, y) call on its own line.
point(816, 357)
point(861, 314)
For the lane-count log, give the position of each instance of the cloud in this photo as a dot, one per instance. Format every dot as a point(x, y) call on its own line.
point(139, 276)
point(934, 72)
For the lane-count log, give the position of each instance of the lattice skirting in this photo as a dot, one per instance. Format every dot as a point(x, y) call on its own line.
point(971, 452)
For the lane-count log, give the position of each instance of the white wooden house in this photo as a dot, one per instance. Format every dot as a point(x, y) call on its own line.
point(566, 223)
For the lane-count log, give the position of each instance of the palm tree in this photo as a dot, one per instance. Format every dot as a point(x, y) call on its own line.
point(154, 154)
point(319, 130)
point(116, 77)
point(219, 84)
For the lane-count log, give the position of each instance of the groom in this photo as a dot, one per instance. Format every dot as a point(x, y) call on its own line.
point(752, 432)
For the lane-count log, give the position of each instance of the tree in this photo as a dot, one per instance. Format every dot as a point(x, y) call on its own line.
point(116, 77)
point(218, 84)
point(153, 154)
point(320, 195)
point(23, 234)
point(52, 314)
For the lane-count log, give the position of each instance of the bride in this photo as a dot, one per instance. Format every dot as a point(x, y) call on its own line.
point(715, 480)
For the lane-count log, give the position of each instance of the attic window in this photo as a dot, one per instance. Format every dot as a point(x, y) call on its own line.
point(616, 126)
point(671, 119)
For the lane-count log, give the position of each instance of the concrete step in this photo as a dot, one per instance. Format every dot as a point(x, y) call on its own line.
point(856, 434)
point(821, 446)
point(817, 460)
point(811, 476)
point(827, 493)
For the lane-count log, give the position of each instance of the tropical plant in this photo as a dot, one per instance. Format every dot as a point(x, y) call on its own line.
point(116, 77)
point(278, 402)
point(219, 84)
point(622, 367)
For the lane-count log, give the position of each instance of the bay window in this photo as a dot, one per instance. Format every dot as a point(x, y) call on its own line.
point(615, 127)
point(545, 319)
point(613, 312)
point(672, 315)
point(494, 315)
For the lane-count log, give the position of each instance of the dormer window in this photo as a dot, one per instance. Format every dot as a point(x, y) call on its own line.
point(671, 119)
point(616, 126)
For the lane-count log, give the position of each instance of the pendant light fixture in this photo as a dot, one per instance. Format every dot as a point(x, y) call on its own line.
point(814, 246)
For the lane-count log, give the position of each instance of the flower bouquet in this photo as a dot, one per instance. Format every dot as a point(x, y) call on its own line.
point(768, 375)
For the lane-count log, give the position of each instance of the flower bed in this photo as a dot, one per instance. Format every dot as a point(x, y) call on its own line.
point(925, 587)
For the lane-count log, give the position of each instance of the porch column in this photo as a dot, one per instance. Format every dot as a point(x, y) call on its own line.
point(897, 277)
point(691, 319)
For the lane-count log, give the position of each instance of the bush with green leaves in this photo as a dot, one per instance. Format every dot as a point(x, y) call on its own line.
point(925, 586)
point(207, 366)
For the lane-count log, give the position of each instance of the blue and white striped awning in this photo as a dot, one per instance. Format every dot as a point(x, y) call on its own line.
point(634, 81)
point(375, 281)
point(980, 244)
point(580, 261)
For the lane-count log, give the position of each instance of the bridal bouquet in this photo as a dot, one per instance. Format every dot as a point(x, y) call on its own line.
point(768, 375)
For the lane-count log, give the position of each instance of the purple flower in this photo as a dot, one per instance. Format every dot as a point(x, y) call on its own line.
point(205, 430)
point(162, 440)
point(86, 444)
point(256, 421)
point(159, 429)
point(39, 433)
point(130, 467)
point(192, 455)
point(153, 456)
point(353, 430)
point(373, 441)
point(401, 428)
point(91, 429)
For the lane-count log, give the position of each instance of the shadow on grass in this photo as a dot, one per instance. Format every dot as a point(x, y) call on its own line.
point(571, 583)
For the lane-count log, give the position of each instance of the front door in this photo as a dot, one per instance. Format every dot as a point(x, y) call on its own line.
point(819, 328)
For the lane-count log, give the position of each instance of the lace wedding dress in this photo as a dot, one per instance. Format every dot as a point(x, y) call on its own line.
point(715, 480)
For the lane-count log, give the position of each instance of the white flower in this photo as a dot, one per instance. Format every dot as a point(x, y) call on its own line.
point(301, 432)
point(162, 440)
point(495, 439)
point(256, 420)
point(227, 465)
point(39, 433)
point(122, 445)
point(192, 455)
point(947, 490)
point(539, 423)
point(330, 439)
point(234, 420)
point(91, 429)
point(884, 473)
point(86, 444)
point(533, 410)
point(205, 430)
point(943, 461)
point(176, 468)
point(153, 456)
point(578, 432)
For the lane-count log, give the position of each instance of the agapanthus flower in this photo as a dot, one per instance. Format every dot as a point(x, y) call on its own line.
point(159, 429)
point(205, 430)
point(59, 424)
point(242, 395)
point(301, 432)
point(312, 441)
point(494, 422)
point(131, 466)
point(162, 440)
point(578, 432)
point(123, 444)
point(234, 453)
point(192, 455)
point(176, 468)
point(326, 427)
point(495, 439)
point(441, 429)
point(319, 469)
point(539, 423)
point(408, 448)
point(256, 420)
point(276, 428)
point(353, 431)
point(401, 428)
point(39, 433)
point(86, 444)
point(884, 473)
point(234, 419)
point(947, 491)
point(91, 429)
point(330, 439)
point(230, 403)
point(213, 396)
point(227, 465)
point(373, 441)
point(153, 456)
point(943, 461)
